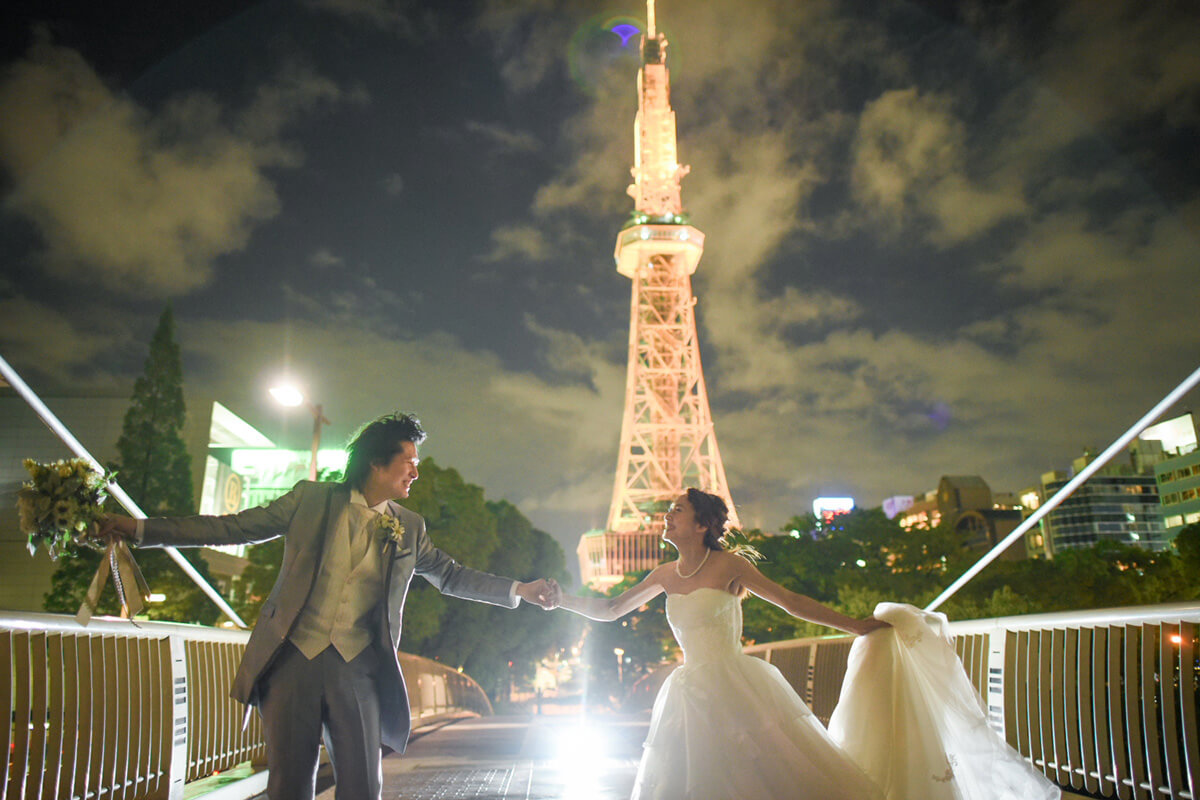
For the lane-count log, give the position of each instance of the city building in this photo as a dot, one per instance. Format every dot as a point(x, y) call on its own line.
point(1119, 503)
point(1178, 474)
point(966, 504)
point(211, 430)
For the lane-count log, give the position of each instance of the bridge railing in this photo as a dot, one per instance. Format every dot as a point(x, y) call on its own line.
point(1101, 701)
point(117, 711)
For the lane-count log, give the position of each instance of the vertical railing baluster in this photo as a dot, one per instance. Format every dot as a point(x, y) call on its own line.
point(125, 730)
point(8, 673)
point(1068, 707)
point(1045, 703)
point(1053, 711)
point(1086, 709)
point(52, 771)
point(1133, 711)
point(19, 758)
point(1189, 671)
point(38, 709)
point(113, 743)
point(1149, 676)
point(1117, 692)
point(71, 716)
point(1170, 673)
point(97, 782)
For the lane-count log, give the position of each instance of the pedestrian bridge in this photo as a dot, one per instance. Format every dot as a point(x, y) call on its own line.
point(1103, 702)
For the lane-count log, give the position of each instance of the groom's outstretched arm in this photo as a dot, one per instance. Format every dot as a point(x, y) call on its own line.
point(451, 578)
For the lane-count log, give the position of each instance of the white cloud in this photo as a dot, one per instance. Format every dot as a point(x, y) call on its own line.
point(503, 138)
point(325, 258)
point(141, 203)
point(910, 162)
point(389, 15)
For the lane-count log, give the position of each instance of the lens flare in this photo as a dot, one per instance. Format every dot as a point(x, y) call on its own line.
point(600, 45)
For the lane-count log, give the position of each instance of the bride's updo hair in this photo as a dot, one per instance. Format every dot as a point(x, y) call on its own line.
point(712, 514)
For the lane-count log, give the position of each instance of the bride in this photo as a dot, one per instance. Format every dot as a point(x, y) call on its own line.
point(727, 725)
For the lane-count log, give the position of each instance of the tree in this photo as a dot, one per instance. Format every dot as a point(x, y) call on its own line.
point(483, 640)
point(154, 468)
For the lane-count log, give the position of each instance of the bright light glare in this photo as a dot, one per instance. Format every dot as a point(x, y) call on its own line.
point(155, 597)
point(581, 758)
point(287, 395)
point(1176, 638)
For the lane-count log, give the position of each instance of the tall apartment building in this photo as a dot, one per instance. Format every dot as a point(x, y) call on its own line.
point(1119, 503)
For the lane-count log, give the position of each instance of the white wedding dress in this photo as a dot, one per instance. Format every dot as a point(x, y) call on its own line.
point(728, 726)
point(910, 716)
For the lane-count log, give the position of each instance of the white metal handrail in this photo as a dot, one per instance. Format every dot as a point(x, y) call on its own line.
point(117, 711)
point(1102, 701)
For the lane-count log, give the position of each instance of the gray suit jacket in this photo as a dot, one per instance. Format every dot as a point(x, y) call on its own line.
point(306, 516)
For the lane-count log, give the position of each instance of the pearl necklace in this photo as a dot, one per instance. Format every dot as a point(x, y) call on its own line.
point(697, 569)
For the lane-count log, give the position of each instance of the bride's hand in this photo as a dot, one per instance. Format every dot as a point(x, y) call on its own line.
point(869, 624)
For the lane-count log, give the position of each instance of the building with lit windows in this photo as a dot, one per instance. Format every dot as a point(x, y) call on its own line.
point(967, 504)
point(1178, 475)
point(1119, 503)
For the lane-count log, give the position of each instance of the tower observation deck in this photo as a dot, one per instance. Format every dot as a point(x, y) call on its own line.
point(667, 437)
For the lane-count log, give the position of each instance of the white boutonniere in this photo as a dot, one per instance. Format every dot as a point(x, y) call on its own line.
point(392, 529)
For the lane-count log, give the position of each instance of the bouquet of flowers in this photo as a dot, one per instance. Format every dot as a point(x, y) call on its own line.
point(61, 507)
point(60, 504)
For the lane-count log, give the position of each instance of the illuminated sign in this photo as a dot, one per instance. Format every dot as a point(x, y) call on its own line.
point(825, 509)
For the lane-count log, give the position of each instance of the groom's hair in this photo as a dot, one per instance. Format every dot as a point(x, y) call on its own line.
point(377, 442)
point(711, 512)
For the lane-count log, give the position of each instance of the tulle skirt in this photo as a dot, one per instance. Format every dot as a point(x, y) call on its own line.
point(909, 715)
point(732, 728)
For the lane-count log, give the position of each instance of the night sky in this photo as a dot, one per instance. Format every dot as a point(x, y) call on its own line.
point(942, 237)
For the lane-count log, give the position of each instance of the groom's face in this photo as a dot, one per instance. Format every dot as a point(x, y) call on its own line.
point(397, 475)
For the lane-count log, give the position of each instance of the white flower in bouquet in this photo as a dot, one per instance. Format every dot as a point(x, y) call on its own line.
point(60, 503)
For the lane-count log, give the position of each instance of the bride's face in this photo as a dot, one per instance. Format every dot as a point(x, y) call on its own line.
point(680, 522)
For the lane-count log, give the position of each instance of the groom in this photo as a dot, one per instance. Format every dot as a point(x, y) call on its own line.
point(321, 662)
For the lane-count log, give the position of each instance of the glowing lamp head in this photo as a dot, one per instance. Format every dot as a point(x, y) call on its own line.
point(287, 395)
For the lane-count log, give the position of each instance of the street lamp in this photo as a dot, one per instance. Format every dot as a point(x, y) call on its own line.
point(620, 654)
point(289, 396)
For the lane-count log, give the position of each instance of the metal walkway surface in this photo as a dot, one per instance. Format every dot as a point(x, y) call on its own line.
point(564, 757)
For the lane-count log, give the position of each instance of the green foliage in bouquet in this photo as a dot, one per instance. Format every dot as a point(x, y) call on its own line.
point(60, 502)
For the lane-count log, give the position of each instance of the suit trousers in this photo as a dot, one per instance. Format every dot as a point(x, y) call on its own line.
point(303, 702)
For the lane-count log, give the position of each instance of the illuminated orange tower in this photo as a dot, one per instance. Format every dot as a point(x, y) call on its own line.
point(667, 437)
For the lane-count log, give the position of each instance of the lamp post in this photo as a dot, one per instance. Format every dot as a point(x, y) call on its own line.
point(290, 396)
point(620, 654)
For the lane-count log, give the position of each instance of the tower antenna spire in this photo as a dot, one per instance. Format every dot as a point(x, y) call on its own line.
point(667, 439)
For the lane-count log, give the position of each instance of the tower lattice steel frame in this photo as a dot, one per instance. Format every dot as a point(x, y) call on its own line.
point(667, 437)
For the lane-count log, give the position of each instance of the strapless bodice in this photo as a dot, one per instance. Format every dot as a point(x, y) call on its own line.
point(707, 623)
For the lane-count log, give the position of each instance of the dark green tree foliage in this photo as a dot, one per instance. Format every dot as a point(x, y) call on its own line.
point(153, 465)
point(155, 470)
point(868, 558)
point(495, 537)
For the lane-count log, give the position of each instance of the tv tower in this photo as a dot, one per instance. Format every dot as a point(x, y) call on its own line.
point(667, 438)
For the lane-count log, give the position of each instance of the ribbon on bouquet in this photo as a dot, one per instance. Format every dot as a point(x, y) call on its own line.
point(131, 587)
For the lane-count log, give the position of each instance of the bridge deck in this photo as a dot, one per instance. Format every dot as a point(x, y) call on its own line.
point(519, 758)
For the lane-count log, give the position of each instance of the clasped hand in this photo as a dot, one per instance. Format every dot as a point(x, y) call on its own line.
point(544, 592)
